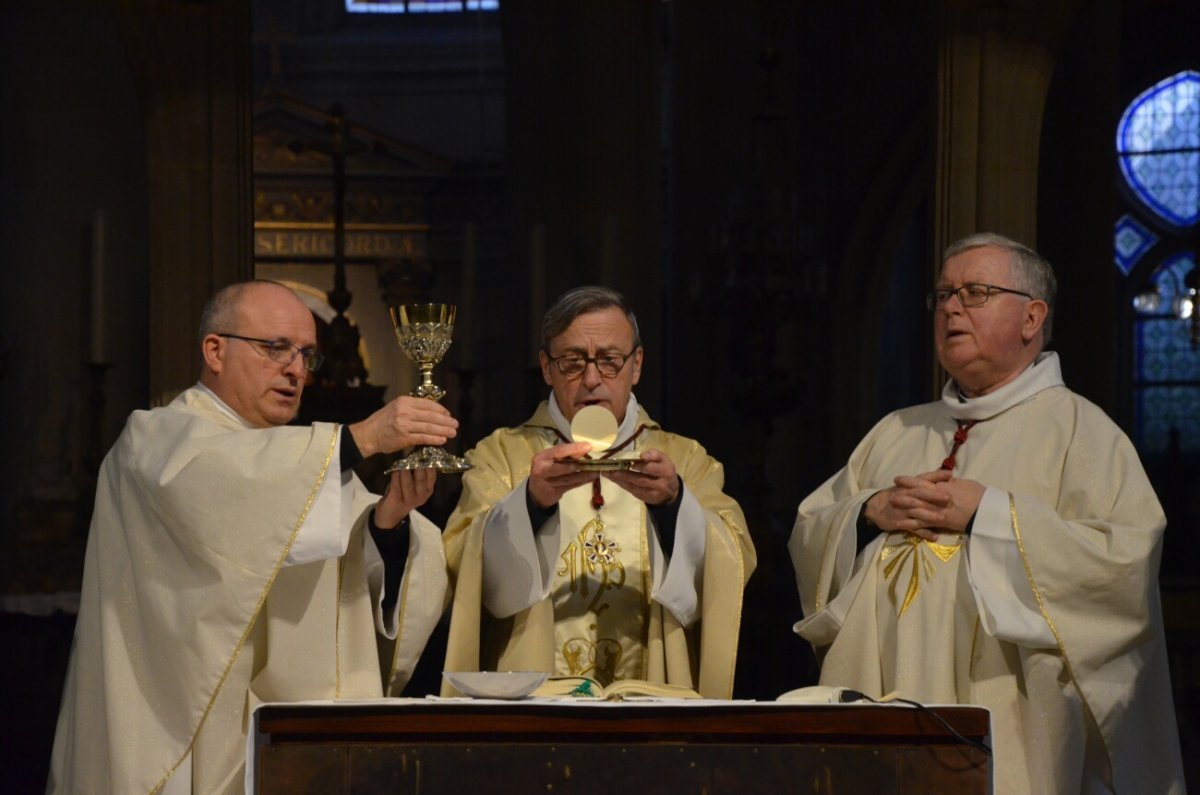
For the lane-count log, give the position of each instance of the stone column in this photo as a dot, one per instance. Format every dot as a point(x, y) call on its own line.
point(995, 63)
point(191, 65)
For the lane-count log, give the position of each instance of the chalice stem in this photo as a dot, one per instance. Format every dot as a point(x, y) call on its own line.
point(424, 331)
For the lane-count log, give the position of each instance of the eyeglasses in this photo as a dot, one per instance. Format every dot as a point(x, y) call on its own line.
point(968, 295)
point(282, 351)
point(608, 365)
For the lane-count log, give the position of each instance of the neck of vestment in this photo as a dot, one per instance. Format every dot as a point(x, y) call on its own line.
point(625, 431)
point(1045, 372)
point(223, 408)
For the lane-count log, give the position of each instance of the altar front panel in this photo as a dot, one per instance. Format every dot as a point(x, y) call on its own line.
point(718, 747)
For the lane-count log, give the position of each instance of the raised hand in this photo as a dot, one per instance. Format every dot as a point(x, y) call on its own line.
point(404, 422)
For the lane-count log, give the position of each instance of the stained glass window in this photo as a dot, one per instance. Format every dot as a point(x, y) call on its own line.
point(419, 6)
point(1133, 240)
point(1166, 368)
point(1158, 148)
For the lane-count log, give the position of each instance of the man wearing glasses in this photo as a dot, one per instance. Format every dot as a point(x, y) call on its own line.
point(233, 560)
point(1000, 547)
point(607, 575)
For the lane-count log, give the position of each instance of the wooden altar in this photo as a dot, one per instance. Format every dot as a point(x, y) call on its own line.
point(431, 746)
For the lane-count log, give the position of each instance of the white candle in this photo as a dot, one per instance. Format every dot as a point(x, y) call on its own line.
point(97, 343)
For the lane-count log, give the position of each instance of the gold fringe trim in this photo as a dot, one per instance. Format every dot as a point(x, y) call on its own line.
point(337, 630)
point(974, 640)
point(741, 592)
point(647, 586)
point(1037, 595)
point(312, 496)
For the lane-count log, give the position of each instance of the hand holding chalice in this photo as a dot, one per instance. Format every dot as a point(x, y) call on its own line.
point(424, 332)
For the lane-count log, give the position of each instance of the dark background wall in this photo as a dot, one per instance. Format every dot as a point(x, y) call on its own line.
point(768, 181)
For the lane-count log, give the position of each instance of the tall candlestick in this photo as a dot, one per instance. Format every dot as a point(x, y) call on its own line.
point(97, 347)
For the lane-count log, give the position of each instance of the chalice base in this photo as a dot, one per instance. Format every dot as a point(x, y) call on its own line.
point(429, 457)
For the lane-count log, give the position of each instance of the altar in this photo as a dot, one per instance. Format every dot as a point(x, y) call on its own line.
point(434, 746)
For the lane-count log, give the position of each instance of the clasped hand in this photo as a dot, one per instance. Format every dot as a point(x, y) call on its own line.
point(554, 471)
point(925, 505)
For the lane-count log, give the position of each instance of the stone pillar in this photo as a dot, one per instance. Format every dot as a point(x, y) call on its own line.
point(191, 65)
point(995, 63)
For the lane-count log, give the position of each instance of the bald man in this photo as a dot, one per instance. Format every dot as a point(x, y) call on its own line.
point(233, 561)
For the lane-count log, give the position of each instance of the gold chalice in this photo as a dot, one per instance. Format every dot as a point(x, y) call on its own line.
point(424, 332)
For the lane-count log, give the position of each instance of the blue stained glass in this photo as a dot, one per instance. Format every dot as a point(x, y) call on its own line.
point(1162, 410)
point(433, 6)
point(1132, 240)
point(419, 6)
point(1158, 147)
point(1163, 353)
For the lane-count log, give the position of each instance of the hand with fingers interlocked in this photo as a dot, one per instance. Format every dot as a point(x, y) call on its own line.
point(925, 505)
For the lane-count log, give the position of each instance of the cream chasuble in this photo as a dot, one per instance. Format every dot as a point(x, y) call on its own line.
point(1048, 613)
point(190, 615)
point(673, 620)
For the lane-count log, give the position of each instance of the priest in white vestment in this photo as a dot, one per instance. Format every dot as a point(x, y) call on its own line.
point(1000, 547)
point(233, 561)
point(624, 575)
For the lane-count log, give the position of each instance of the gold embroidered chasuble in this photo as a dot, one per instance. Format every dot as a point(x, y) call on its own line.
point(188, 616)
point(701, 656)
point(1080, 697)
point(601, 589)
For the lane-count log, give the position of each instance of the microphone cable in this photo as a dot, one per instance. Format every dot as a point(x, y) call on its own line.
point(848, 696)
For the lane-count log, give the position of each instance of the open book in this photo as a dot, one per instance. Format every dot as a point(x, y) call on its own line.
point(583, 687)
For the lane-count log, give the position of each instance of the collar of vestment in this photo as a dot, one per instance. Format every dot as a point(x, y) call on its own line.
point(1044, 373)
point(550, 417)
point(199, 392)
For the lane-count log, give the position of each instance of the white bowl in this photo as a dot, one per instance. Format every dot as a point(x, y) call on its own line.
point(495, 684)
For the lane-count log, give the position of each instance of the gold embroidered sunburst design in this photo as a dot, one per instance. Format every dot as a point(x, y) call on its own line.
point(916, 554)
point(599, 550)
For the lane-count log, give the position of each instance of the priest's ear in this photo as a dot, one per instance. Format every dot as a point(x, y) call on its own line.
point(212, 349)
point(1033, 320)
